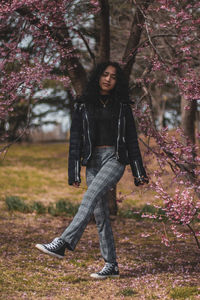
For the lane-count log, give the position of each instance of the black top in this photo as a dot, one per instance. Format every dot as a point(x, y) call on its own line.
point(82, 138)
point(104, 131)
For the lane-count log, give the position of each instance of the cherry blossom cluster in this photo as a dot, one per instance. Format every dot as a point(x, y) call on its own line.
point(35, 38)
point(175, 157)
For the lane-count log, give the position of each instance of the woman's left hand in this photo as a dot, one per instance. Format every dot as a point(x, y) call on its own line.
point(141, 181)
point(76, 184)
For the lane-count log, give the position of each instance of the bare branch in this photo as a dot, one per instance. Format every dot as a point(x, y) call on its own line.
point(194, 234)
point(104, 48)
point(86, 45)
point(6, 147)
point(134, 39)
point(151, 42)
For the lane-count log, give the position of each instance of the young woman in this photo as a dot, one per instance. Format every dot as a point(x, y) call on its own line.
point(103, 138)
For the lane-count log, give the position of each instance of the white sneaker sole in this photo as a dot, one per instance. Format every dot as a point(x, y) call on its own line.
point(96, 276)
point(44, 250)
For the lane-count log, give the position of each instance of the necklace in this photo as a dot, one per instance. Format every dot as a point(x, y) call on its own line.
point(104, 103)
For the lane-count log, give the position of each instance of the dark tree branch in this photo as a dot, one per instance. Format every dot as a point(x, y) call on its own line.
point(86, 45)
point(134, 38)
point(188, 118)
point(4, 149)
point(194, 234)
point(104, 48)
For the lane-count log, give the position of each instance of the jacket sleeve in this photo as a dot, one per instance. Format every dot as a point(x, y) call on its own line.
point(75, 146)
point(134, 153)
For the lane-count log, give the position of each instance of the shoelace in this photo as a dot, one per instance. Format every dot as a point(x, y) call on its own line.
point(55, 243)
point(106, 269)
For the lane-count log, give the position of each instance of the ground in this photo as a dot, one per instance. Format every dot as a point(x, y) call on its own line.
point(148, 268)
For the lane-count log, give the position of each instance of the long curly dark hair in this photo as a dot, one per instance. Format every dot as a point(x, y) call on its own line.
point(120, 93)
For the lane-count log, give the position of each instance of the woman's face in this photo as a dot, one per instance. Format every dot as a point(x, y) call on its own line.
point(108, 80)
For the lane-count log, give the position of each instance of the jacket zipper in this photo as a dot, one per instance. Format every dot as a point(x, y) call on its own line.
point(77, 171)
point(137, 169)
point(118, 136)
point(88, 134)
point(77, 162)
point(83, 132)
point(123, 137)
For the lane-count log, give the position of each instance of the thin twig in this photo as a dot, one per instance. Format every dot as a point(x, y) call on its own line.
point(194, 234)
point(86, 44)
point(5, 148)
point(164, 227)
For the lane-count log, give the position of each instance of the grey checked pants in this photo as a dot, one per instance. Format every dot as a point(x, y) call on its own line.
point(102, 173)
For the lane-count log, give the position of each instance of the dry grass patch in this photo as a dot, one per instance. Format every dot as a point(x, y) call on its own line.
point(38, 172)
point(148, 269)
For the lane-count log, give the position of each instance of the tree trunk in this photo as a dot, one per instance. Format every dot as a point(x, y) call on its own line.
point(161, 113)
point(134, 38)
point(104, 55)
point(104, 47)
point(112, 201)
point(188, 117)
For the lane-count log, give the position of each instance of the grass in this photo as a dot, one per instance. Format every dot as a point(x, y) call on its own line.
point(35, 172)
point(14, 203)
point(66, 208)
point(149, 210)
point(38, 207)
point(37, 204)
point(39, 173)
point(148, 269)
point(61, 207)
point(184, 292)
point(127, 292)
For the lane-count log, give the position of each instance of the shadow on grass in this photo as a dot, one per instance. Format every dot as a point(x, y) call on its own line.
point(162, 268)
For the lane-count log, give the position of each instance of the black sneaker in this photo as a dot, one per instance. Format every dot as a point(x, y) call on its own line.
point(55, 248)
point(109, 270)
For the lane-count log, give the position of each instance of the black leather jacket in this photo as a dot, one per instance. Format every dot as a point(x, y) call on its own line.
point(82, 140)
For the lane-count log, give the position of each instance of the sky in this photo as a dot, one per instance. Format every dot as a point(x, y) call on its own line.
point(61, 117)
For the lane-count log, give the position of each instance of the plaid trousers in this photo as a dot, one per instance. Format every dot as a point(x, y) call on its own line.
point(102, 173)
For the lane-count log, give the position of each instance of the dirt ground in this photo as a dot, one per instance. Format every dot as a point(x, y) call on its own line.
point(148, 269)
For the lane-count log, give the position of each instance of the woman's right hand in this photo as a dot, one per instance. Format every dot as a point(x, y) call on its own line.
point(76, 184)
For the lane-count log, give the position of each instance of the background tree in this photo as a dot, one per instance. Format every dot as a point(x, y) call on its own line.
point(157, 44)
